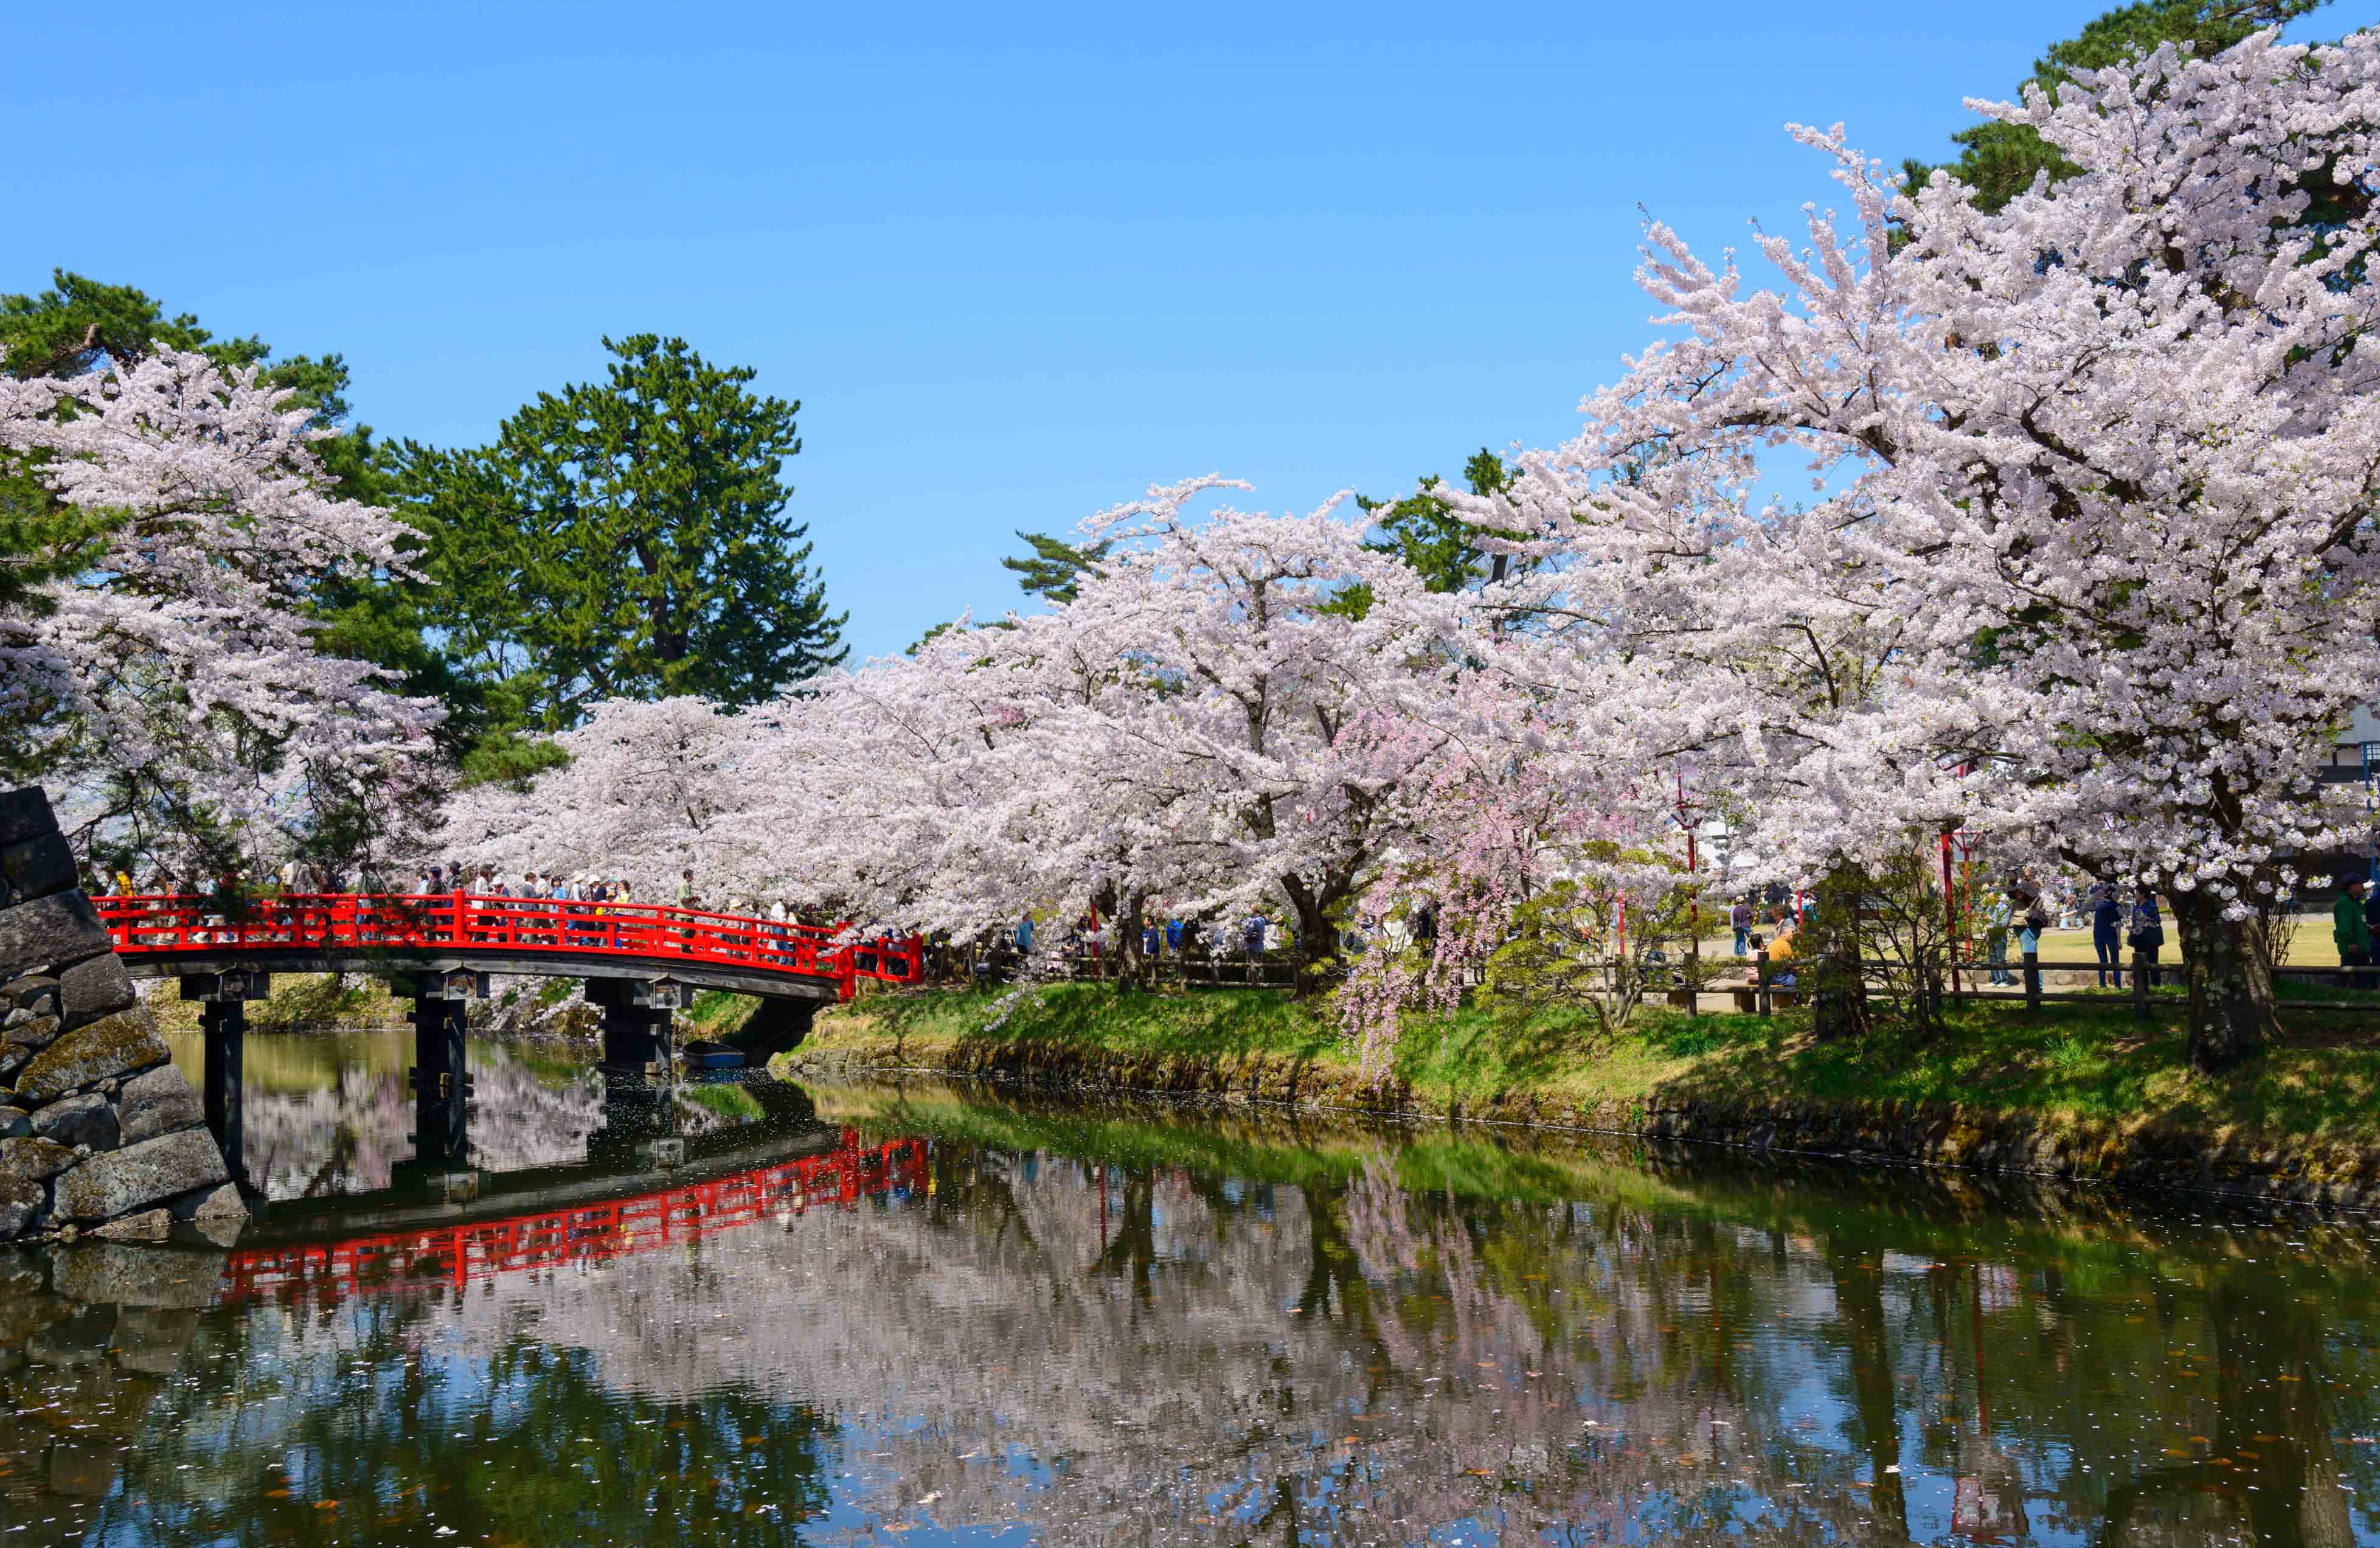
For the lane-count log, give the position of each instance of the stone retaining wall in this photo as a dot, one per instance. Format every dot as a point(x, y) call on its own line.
point(2140, 1155)
point(98, 1132)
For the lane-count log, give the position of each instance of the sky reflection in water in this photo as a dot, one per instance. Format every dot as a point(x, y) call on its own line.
point(1071, 1327)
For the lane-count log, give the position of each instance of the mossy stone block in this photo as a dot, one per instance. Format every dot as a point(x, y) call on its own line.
point(120, 1046)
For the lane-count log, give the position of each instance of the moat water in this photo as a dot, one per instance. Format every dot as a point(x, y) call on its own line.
point(772, 1314)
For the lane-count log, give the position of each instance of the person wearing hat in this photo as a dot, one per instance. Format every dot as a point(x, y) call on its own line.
point(2349, 932)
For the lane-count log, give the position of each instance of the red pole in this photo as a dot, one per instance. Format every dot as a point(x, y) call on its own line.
point(1949, 914)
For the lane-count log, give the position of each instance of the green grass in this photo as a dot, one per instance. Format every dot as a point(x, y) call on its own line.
point(2071, 1064)
point(1208, 1024)
point(2299, 989)
point(727, 1101)
point(716, 1010)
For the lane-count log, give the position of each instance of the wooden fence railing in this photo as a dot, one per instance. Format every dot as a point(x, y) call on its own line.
point(1762, 989)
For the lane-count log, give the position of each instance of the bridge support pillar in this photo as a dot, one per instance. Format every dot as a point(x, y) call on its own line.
point(637, 1029)
point(442, 1083)
point(223, 1024)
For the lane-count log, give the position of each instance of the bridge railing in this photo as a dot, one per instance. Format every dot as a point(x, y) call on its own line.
point(469, 922)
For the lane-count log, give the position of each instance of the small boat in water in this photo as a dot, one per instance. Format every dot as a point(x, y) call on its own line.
point(704, 1055)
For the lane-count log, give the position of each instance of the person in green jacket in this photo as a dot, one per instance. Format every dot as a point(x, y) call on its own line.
point(2350, 930)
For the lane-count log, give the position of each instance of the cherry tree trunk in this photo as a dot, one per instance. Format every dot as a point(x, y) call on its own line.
point(1132, 964)
point(1831, 942)
point(1316, 947)
point(2232, 1015)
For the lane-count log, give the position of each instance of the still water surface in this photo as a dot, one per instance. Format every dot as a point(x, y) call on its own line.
point(919, 1316)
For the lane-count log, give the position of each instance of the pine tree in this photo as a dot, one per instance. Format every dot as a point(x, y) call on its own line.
point(627, 540)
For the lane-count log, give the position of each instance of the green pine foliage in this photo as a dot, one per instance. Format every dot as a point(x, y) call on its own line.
point(1053, 570)
point(625, 538)
point(1439, 546)
point(2000, 161)
point(81, 325)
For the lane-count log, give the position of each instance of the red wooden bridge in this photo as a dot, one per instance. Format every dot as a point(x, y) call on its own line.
point(444, 932)
point(589, 1233)
point(639, 963)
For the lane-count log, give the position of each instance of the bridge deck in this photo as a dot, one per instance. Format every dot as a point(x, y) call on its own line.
point(374, 933)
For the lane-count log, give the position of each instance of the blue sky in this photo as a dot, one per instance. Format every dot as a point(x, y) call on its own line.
point(1017, 263)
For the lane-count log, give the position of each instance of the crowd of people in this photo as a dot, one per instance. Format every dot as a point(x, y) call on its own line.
point(1092, 945)
point(436, 880)
point(2019, 915)
point(2015, 920)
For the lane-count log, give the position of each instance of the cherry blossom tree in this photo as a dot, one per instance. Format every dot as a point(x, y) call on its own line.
point(2089, 562)
point(987, 777)
point(1229, 715)
point(164, 673)
point(2087, 569)
point(914, 792)
point(1278, 689)
point(649, 790)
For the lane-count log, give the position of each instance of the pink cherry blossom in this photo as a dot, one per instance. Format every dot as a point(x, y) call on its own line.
point(174, 683)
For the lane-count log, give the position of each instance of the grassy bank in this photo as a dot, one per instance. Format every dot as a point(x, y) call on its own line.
point(312, 1001)
point(2071, 1065)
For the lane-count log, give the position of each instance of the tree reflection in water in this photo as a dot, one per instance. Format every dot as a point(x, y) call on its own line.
point(1193, 1331)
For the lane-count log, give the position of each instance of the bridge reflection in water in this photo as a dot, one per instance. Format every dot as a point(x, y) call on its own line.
point(96, 1343)
point(654, 1169)
point(571, 1231)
